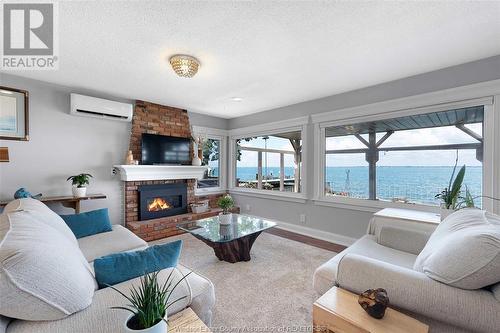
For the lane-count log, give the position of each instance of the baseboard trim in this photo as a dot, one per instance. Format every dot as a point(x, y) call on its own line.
point(315, 233)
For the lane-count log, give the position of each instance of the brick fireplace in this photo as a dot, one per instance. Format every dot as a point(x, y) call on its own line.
point(158, 119)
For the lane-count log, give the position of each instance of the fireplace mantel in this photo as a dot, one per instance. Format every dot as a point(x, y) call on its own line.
point(130, 173)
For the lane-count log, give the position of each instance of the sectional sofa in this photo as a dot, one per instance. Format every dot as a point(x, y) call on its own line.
point(448, 278)
point(47, 282)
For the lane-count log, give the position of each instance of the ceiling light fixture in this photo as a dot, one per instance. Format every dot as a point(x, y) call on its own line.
point(184, 65)
point(236, 99)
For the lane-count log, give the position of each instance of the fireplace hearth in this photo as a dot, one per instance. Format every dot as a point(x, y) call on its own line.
point(161, 200)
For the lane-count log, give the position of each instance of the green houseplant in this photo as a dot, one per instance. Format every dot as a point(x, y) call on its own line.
point(149, 303)
point(79, 184)
point(225, 202)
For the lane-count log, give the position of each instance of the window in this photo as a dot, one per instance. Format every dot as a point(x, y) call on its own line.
point(270, 162)
point(210, 157)
point(407, 159)
point(213, 152)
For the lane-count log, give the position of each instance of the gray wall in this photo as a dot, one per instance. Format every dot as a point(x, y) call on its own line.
point(61, 145)
point(346, 222)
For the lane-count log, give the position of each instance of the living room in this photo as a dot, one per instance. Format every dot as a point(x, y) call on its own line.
point(284, 173)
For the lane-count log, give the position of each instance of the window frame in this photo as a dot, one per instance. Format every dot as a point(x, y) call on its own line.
point(215, 134)
point(297, 124)
point(381, 111)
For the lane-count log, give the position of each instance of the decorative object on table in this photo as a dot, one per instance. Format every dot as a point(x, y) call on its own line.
point(225, 202)
point(79, 182)
point(4, 154)
point(22, 193)
point(374, 302)
point(196, 151)
point(14, 114)
point(129, 160)
point(199, 207)
point(149, 304)
point(450, 196)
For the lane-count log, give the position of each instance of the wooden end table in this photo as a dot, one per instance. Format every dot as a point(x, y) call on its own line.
point(338, 311)
point(186, 321)
point(66, 200)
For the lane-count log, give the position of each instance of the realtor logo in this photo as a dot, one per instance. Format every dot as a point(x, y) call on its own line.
point(29, 36)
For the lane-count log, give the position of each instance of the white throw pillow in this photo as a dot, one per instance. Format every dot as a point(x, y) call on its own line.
point(43, 276)
point(44, 214)
point(464, 250)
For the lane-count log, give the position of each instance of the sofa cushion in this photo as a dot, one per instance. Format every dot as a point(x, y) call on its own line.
point(120, 239)
point(88, 223)
point(325, 275)
point(44, 215)
point(119, 267)
point(36, 281)
point(98, 317)
point(464, 251)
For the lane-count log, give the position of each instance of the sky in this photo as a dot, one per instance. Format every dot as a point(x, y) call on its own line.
point(428, 136)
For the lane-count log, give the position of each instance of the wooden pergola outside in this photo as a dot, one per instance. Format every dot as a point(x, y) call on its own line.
point(296, 142)
point(457, 117)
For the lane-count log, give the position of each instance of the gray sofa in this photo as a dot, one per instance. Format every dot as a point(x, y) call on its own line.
point(385, 257)
point(98, 317)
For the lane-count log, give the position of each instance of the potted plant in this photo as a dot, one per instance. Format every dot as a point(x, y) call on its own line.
point(450, 195)
point(149, 304)
point(79, 182)
point(225, 202)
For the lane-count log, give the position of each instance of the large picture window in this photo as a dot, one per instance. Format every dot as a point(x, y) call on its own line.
point(408, 159)
point(269, 162)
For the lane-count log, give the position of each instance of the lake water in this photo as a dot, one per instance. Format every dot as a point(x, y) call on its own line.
point(416, 183)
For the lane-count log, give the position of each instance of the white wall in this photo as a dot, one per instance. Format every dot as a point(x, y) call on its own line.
point(61, 145)
point(338, 221)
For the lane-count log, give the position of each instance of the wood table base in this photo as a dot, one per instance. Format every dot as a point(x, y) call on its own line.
point(235, 250)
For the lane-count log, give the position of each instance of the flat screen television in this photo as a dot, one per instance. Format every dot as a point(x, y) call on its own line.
point(161, 149)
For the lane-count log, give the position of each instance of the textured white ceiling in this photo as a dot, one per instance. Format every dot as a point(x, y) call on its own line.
point(269, 53)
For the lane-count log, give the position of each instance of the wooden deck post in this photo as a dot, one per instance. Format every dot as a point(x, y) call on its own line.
point(282, 172)
point(259, 170)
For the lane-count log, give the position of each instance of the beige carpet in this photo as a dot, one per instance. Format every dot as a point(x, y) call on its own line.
point(271, 292)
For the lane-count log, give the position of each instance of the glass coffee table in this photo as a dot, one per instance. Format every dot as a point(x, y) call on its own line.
point(231, 242)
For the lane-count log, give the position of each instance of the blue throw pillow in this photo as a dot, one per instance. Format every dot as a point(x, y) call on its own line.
point(88, 223)
point(123, 266)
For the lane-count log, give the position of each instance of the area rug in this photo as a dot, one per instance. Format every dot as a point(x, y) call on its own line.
point(271, 292)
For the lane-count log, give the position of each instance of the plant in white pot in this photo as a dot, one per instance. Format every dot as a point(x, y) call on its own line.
point(149, 304)
point(79, 184)
point(225, 202)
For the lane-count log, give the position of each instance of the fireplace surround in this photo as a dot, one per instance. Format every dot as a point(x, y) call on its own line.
point(161, 200)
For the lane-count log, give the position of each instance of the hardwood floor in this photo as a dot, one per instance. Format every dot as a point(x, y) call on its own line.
point(306, 239)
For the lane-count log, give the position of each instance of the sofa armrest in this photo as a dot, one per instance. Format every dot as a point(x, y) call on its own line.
point(403, 239)
point(475, 310)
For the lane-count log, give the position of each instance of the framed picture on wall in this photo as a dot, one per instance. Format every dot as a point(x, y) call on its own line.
point(13, 114)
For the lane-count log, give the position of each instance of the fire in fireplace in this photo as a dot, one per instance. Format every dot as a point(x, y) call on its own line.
point(158, 204)
point(162, 200)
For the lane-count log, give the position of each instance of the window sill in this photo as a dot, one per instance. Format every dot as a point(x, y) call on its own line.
point(208, 191)
point(274, 195)
point(370, 206)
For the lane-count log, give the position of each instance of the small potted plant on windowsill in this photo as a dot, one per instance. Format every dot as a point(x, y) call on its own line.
point(225, 202)
point(149, 304)
point(79, 184)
